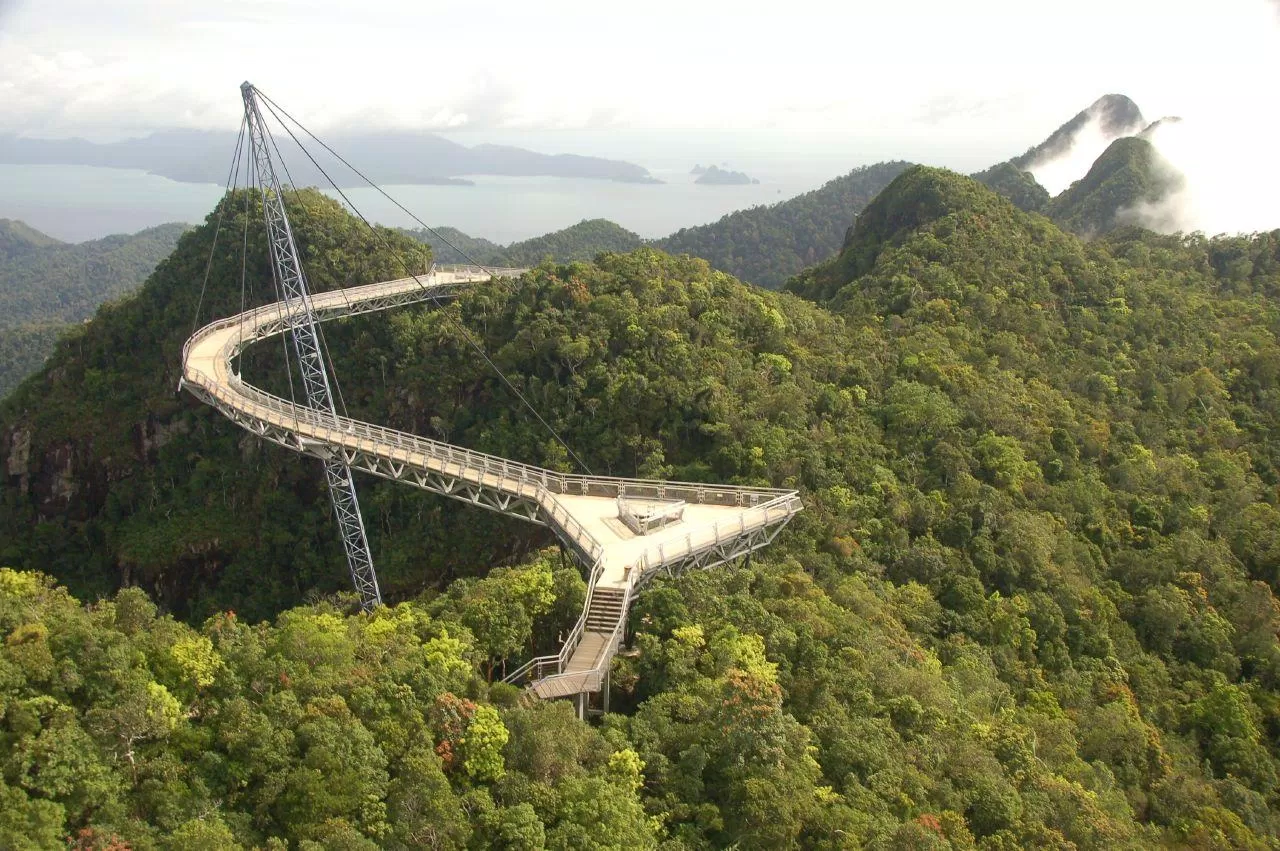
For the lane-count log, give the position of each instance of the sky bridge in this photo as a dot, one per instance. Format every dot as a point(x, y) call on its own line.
point(718, 523)
point(624, 531)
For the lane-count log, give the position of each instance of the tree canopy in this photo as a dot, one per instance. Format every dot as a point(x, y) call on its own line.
point(1031, 601)
point(46, 286)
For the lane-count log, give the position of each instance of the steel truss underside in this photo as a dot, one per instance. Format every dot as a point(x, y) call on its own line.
point(491, 498)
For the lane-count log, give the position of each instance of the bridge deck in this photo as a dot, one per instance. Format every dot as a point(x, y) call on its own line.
point(719, 522)
point(625, 551)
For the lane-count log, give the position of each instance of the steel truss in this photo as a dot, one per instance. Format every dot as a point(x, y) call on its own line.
point(717, 553)
point(306, 346)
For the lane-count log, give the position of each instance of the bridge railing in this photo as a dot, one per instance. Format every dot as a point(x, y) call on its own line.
point(331, 304)
point(765, 506)
point(569, 484)
point(541, 667)
point(589, 679)
point(508, 473)
point(532, 483)
point(474, 269)
point(708, 537)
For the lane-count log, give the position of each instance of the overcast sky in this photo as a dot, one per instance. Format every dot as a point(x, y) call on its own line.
point(111, 67)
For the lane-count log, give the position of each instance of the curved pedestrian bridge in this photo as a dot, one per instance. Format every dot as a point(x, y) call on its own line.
point(625, 530)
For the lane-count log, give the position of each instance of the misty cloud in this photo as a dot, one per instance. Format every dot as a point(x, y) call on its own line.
point(1057, 171)
point(1231, 177)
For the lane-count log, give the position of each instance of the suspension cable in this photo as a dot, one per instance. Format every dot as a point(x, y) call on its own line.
point(273, 106)
point(332, 372)
point(208, 266)
point(457, 326)
point(250, 184)
point(275, 283)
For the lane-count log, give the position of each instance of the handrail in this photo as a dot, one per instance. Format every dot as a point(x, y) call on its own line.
point(661, 514)
point(302, 425)
point(570, 644)
point(570, 484)
point(592, 679)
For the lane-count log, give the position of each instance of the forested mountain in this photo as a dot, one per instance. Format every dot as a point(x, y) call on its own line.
point(1124, 185)
point(1031, 601)
point(198, 156)
point(18, 239)
point(582, 241)
point(100, 427)
point(1129, 177)
point(767, 245)
point(760, 245)
point(1017, 185)
point(46, 285)
point(450, 245)
point(1114, 116)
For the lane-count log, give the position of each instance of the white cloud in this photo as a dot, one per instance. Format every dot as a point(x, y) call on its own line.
point(667, 63)
point(958, 84)
point(1058, 173)
point(1229, 187)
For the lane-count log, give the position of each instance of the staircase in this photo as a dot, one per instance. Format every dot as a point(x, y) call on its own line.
point(582, 668)
point(606, 609)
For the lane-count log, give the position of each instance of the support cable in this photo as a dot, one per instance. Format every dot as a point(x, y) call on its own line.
point(208, 266)
point(324, 343)
point(250, 183)
point(279, 293)
point(457, 326)
point(273, 106)
point(266, 130)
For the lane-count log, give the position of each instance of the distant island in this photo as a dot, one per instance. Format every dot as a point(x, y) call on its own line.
point(716, 176)
point(196, 156)
point(445, 181)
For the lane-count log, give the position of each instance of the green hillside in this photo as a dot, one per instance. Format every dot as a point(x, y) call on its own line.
point(24, 348)
point(18, 239)
point(1017, 185)
point(1030, 603)
point(46, 285)
point(582, 241)
point(1129, 173)
point(767, 245)
point(450, 245)
point(112, 446)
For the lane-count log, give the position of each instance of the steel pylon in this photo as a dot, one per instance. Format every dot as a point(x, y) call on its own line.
point(306, 346)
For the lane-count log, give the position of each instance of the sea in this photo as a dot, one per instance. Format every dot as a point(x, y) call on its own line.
point(76, 203)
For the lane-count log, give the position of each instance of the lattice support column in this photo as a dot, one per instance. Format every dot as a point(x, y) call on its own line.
point(306, 346)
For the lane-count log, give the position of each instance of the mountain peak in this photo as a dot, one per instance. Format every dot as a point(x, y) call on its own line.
point(1113, 115)
point(917, 198)
point(18, 237)
point(1130, 174)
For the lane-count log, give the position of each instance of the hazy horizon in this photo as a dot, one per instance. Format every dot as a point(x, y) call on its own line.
point(793, 100)
point(995, 69)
